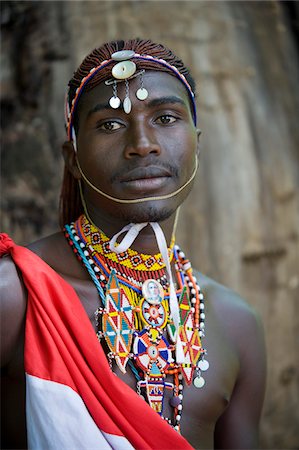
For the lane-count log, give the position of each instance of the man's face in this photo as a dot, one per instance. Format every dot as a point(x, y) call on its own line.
point(153, 290)
point(149, 152)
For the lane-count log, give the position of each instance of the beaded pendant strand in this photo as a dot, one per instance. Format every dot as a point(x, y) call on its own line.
point(134, 318)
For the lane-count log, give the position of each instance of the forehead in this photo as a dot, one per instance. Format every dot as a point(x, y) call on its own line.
point(158, 85)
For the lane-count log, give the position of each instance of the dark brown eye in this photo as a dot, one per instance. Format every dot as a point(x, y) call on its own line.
point(110, 125)
point(166, 119)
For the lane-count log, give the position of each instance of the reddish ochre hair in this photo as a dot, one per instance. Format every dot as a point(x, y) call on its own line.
point(70, 202)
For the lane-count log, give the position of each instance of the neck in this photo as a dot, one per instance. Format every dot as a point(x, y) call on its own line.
point(144, 243)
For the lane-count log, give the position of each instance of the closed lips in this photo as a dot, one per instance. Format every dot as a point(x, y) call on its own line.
point(141, 173)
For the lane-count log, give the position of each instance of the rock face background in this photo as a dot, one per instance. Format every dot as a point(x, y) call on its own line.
point(240, 224)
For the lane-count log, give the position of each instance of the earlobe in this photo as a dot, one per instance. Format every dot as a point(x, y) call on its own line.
point(70, 159)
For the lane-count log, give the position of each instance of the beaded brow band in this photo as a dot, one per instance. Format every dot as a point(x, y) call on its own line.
point(69, 113)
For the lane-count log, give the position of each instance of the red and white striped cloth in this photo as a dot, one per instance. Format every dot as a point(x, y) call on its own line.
point(73, 400)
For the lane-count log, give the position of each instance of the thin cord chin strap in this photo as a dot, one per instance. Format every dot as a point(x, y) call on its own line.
point(132, 230)
point(135, 200)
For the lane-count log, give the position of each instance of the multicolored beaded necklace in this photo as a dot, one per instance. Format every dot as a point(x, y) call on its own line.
point(134, 317)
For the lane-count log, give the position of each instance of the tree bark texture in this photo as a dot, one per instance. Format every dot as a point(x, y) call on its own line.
point(240, 223)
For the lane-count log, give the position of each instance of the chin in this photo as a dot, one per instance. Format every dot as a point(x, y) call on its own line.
point(145, 213)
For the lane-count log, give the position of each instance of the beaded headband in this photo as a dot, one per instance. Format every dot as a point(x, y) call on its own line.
point(123, 70)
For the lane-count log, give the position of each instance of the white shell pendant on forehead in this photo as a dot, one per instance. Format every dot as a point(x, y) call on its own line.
point(123, 70)
point(127, 105)
point(122, 55)
point(114, 102)
point(142, 94)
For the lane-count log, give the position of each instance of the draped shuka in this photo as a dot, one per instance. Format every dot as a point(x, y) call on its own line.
point(73, 399)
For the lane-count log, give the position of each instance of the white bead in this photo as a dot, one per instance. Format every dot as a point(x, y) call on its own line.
point(127, 105)
point(178, 417)
point(86, 253)
point(200, 334)
point(96, 269)
point(142, 94)
point(201, 306)
point(123, 70)
point(193, 310)
point(193, 291)
point(180, 387)
point(201, 296)
point(180, 407)
point(114, 102)
point(203, 365)
point(202, 326)
point(202, 316)
point(180, 396)
point(198, 382)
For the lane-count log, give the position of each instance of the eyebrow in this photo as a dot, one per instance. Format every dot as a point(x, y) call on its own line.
point(99, 107)
point(171, 99)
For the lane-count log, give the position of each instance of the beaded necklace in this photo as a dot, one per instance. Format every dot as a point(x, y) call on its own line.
point(134, 318)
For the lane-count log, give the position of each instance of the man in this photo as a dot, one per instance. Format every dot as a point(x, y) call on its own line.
point(130, 160)
point(152, 292)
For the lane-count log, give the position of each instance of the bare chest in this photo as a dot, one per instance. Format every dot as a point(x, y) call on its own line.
point(201, 406)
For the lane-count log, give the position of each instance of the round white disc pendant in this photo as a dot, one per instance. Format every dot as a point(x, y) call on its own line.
point(142, 94)
point(114, 102)
point(123, 70)
point(122, 55)
point(127, 105)
point(198, 382)
point(203, 365)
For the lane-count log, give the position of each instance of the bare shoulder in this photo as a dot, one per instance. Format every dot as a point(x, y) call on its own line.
point(56, 252)
point(13, 307)
point(242, 321)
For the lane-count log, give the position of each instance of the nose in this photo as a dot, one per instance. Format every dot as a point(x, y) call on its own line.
point(141, 142)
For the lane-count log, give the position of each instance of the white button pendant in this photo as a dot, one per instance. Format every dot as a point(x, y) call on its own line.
point(114, 102)
point(122, 55)
point(142, 94)
point(199, 382)
point(203, 365)
point(127, 105)
point(123, 70)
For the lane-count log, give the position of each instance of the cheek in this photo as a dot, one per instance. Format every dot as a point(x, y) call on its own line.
point(182, 147)
point(98, 155)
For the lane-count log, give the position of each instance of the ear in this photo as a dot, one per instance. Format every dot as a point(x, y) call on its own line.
point(70, 159)
point(198, 132)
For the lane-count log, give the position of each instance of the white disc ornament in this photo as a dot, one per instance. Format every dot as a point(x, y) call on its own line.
point(122, 55)
point(199, 382)
point(203, 365)
point(123, 70)
point(142, 94)
point(114, 102)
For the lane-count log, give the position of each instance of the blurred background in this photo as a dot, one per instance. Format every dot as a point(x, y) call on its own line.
point(240, 225)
